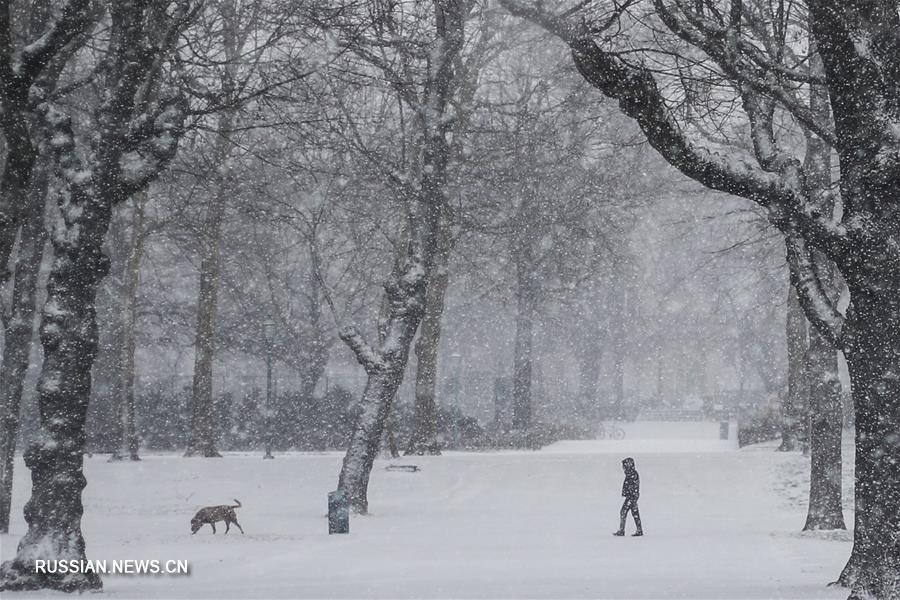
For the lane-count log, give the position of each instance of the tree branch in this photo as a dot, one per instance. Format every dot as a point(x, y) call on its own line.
point(818, 307)
point(640, 98)
point(75, 18)
point(365, 354)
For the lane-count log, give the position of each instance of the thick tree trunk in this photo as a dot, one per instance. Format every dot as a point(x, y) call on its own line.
point(424, 438)
point(794, 402)
point(69, 337)
point(128, 443)
point(18, 336)
point(874, 314)
point(94, 180)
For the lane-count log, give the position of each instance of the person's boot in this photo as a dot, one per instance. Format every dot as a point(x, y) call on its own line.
point(619, 533)
point(637, 533)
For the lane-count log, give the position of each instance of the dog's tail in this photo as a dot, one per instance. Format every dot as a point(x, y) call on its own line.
point(238, 505)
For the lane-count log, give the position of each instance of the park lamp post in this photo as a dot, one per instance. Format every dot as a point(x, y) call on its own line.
point(269, 335)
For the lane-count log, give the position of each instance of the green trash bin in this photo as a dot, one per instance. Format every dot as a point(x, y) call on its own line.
point(338, 512)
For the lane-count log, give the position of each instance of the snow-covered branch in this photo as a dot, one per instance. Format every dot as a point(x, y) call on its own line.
point(75, 17)
point(740, 60)
point(640, 98)
point(152, 144)
point(818, 307)
point(365, 354)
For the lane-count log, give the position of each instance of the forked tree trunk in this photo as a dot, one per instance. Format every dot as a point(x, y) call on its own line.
point(93, 181)
point(795, 400)
point(127, 443)
point(406, 290)
point(19, 333)
point(424, 438)
point(69, 337)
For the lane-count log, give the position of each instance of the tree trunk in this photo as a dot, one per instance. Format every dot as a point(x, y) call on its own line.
point(69, 336)
point(874, 314)
point(617, 306)
point(590, 361)
point(18, 335)
point(424, 438)
point(390, 439)
point(203, 410)
point(381, 387)
point(94, 180)
point(128, 442)
point(825, 415)
point(826, 426)
point(795, 400)
point(523, 353)
point(203, 439)
point(406, 292)
point(15, 183)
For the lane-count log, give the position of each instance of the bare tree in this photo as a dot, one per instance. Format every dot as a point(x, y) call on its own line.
point(861, 83)
point(34, 69)
point(405, 292)
point(139, 123)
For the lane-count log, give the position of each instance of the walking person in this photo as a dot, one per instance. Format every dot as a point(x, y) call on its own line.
point(631, 491)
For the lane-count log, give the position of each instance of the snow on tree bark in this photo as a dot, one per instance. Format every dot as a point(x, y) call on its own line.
point(19, 331)
point(861, 53)
point(825, 414)
point(405, 292)
point(23, 189)
point(24, 76)
point(136, 137)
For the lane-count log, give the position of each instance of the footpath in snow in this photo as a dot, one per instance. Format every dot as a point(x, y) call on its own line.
point(719, 524)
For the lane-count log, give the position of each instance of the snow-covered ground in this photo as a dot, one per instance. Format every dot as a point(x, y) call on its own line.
point(499, 525)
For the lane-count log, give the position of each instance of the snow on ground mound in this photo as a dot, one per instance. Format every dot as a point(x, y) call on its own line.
point(657, 437)
point(467, 525)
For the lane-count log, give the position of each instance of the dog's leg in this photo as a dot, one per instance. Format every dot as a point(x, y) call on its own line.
point(227, 525)
point(213, 525)
point(238, 525)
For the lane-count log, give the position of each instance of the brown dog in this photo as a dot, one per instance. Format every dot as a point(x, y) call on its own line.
point(212, 514)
